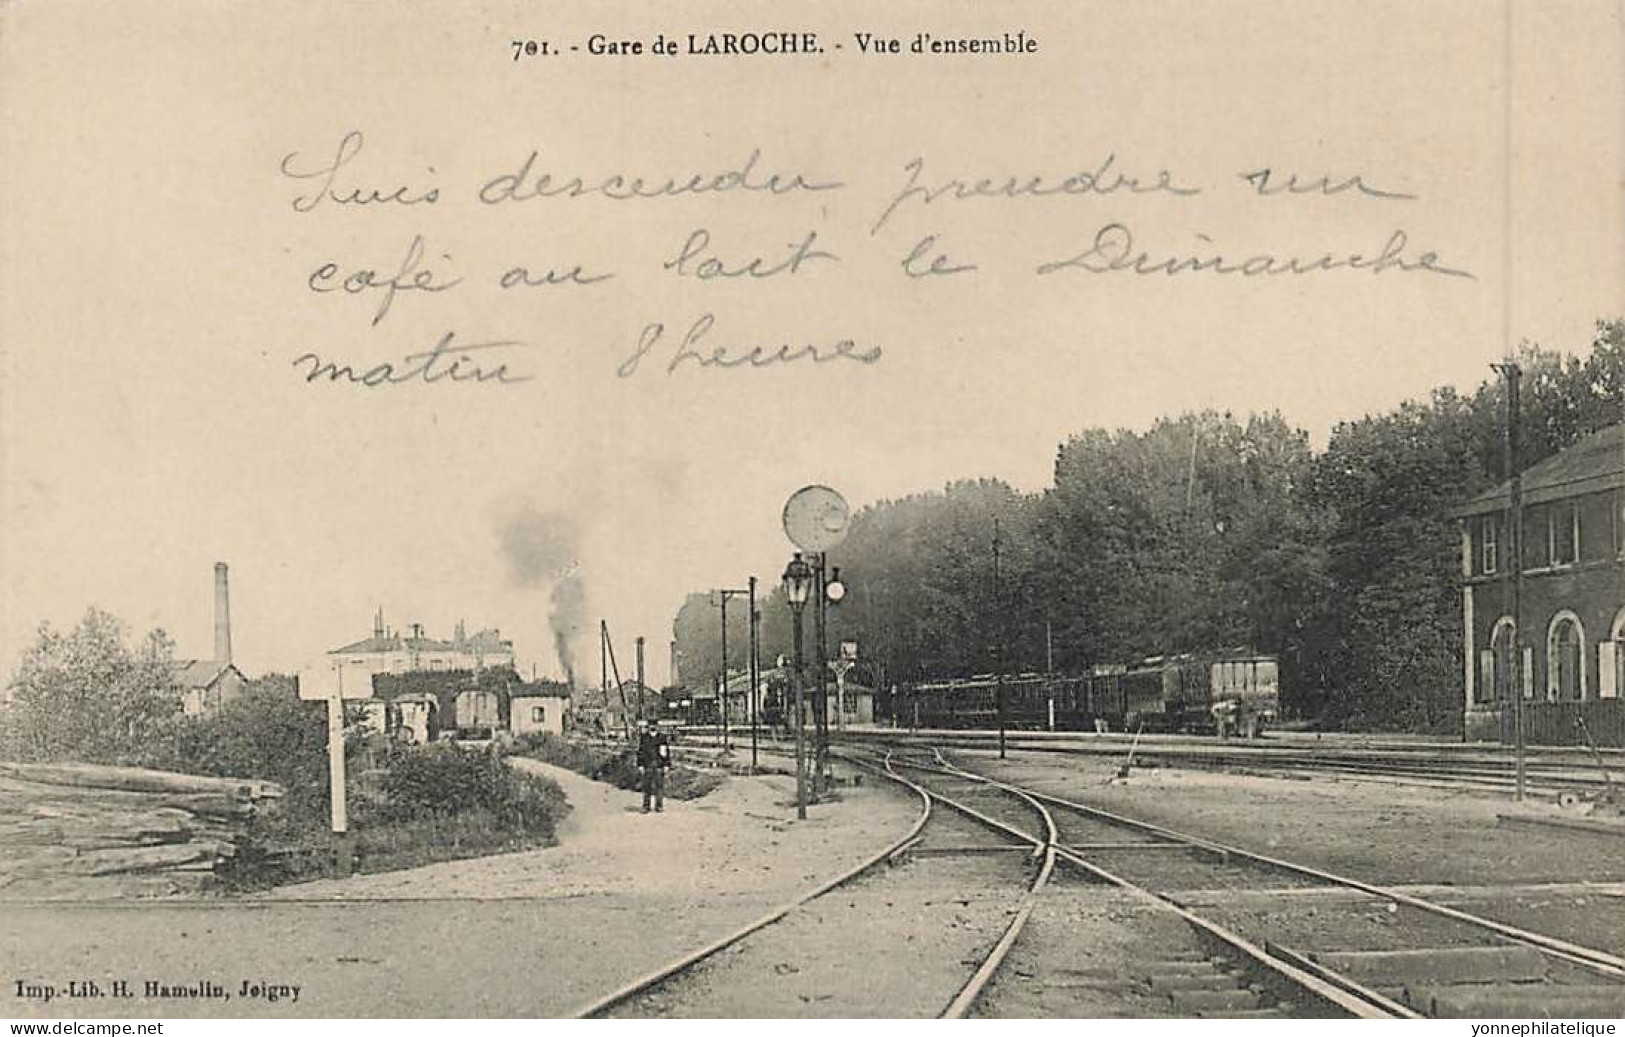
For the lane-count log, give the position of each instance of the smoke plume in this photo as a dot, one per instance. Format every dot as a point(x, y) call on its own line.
point(539, 549)
point(569, 601)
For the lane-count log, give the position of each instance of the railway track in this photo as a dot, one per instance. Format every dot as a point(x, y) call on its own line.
point(1196, 949)
point(1424, 959)
point(1464, 768)
point(1203, 969)
point(931, 834)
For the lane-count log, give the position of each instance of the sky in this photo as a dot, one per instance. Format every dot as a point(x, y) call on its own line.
point(156, 272)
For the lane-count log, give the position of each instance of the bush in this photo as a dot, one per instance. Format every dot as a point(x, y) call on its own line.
point(442, 780)
point(617, 765)
point(88, 694)
point(568, 753)
point(269, 734)
point(409, 805)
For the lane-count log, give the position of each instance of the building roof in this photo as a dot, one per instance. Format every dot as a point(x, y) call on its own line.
point(485, 641)
point(481, 643)
point(1595, 463)
point(392, 643)
point(200, 673)
point(739, 684)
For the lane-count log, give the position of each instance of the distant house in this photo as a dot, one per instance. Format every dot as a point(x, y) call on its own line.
point(1572, 667)
point(527, 713)
point(207, 684)
point(388, 652)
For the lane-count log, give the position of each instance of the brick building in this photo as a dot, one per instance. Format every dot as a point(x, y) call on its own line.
point(1572, 670)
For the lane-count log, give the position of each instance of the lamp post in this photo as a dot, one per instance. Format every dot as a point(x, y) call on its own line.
point(798, 580)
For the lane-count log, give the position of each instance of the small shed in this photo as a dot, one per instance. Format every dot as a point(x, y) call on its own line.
point(416, 717)
point(205, 685)
point(851, 704)
point(527, 713)
point(477, 713)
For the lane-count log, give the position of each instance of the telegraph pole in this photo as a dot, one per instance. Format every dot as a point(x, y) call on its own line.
point(801, 737)
point(1510, 369)
point(998, 644)
point(643, 709)
point(755, 669)
point(722, 687)
point(1514, 586)
point(821, 696)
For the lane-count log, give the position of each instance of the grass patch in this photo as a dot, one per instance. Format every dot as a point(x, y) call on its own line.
point(409, 804)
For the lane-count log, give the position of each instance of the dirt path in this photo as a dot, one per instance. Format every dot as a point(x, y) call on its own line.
point(519, 935)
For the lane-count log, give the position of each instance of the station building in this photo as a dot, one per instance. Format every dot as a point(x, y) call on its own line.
point(1571, 670)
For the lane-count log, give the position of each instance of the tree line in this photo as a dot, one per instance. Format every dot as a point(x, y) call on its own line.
point(1205, 531)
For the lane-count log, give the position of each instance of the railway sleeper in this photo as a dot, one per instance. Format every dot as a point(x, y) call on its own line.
point(1193, 983)
point(1518, 1000)
point(1189, 967)
point(1212, 979)
point(1220, 1002)
point(1135, 845)
point(1481, 964)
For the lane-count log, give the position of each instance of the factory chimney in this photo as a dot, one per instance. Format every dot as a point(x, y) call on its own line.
point(222, 615)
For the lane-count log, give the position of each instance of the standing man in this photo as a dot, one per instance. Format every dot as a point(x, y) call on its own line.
point(654, 756)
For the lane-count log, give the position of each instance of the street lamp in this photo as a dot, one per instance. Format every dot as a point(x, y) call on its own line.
point(798, 580)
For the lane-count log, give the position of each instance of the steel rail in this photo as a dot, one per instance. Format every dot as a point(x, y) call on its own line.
point(970, 811)
point(1338, 990)
point(1418, 767)
point(1597, 961)
point(1354, 998)
point(972, 990)
point(978, 981)
point(1335, 989)
point(689, 960)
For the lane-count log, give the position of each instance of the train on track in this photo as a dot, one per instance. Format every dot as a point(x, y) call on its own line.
point(1230, 693)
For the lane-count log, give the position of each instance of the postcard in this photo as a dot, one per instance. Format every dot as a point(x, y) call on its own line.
point(1024, 510)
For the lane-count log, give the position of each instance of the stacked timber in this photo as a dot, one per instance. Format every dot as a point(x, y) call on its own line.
point(74, 831)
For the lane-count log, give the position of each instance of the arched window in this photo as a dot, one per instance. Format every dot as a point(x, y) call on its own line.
point(1565, 658)
point(1498, 670)
point(1611, 660)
